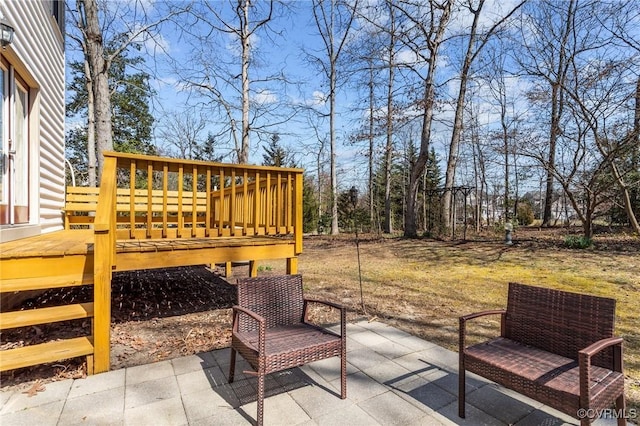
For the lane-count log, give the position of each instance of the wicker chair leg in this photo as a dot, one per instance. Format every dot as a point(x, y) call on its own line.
point(461, 390)
point(232, 365)
point(260, 399)
point(621, 407)
point(343, 374)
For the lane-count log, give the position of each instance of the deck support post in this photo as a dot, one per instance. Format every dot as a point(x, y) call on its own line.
point(227, 269)
point(292, 265)
point(253, 268)
point(102, 307)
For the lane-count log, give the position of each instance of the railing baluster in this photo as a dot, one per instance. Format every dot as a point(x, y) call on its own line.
point(207, 223)
point(278, 204)
point(149, 198)
point(165, 200)
point(256, 205)
point(232, 203)
point(180, 188)
point(245, 201)
point(297, 215)
point(221, 198)
point(132, 199)
point(194, 200)
point(269, 205)
point(289, 206)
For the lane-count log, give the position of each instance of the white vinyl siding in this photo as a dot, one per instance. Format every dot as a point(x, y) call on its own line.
point(37, 53)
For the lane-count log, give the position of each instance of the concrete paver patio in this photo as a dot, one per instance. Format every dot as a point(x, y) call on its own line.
point(393, 379)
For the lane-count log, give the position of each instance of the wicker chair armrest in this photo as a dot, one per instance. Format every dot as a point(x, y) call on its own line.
point(482, 314)
point(342, 309)
point(324, 302)
point(584, 364)
point(463, 324)
point(239, 309)
point(262, 325)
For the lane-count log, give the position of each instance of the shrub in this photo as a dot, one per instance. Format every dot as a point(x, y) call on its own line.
point(525, 214)
point(577, 242)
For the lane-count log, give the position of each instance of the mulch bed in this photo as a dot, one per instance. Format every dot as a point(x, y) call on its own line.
point(156, 314)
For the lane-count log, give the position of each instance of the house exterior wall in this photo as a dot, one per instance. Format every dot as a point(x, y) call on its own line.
point(37, 56)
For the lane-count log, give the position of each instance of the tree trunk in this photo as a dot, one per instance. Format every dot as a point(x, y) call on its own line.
point(99, 76)
point(551, 159)
point(332, 132)
point(410, 225)
point(243, 156)
point(91, 130)
point(371, 146)
point(458, 121)
point(557, 105)
point(388, 158)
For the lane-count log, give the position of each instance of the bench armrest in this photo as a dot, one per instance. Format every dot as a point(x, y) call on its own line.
point(262, 324)
point(342, 309)
point(598, 346)
point(584, 364)
point(463, 324)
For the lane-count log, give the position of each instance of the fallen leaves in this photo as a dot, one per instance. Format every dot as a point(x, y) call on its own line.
point(36, 387)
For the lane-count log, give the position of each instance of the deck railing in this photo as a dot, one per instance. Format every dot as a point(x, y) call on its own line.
point(153, 197)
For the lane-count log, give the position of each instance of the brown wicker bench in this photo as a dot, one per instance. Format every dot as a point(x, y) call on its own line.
point(555, 347)
point(271, 330)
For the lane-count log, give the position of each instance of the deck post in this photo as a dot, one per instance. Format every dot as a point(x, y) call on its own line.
point(292, 265)
point(103, 261)
point(102, 305)
point(253, 268)
point(297, 213)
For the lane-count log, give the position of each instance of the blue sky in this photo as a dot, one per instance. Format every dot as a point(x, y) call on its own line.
point(168, 49)
point(169, 54)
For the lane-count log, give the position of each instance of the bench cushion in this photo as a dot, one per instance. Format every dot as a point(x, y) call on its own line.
point(543, 376)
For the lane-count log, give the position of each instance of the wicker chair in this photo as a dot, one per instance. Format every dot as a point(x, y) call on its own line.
point(555, 347)
point(271, 330)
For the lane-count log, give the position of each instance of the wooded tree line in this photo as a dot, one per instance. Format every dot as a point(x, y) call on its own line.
point(468, 112)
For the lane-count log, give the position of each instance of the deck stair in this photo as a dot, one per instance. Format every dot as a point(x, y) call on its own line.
point(25, 275)
point(148, 212)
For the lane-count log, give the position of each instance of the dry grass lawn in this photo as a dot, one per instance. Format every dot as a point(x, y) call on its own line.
point(423, 286)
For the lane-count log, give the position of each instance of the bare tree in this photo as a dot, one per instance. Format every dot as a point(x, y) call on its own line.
point(334, 20)
point(93, 41)
point(547, 55)
point(620, 20)
point(424, 38)
point(475, 45)
point(380, 44)
point(226, 75)
point(182, 133)
point(98, 67)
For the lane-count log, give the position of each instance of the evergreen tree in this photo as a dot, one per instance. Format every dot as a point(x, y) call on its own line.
point(275, 155)
point(132, 121)
point(309, 206)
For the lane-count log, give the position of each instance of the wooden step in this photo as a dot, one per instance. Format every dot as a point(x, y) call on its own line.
point(45, 315)
point(44, 283)
point(44, 353)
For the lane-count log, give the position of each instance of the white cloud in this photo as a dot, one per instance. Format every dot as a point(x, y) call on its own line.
point(265, 97)
point(153, 43)
point(318, 98)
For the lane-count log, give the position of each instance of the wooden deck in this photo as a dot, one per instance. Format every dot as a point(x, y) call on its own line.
point(149, 212)
point(146, 254)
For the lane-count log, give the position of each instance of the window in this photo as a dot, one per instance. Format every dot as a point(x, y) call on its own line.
point(57, 11)
point(14, 156)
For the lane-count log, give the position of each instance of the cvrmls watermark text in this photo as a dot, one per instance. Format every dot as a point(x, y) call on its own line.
point(607, 413)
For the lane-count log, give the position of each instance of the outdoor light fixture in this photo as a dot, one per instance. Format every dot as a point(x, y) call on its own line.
point(6, 33)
